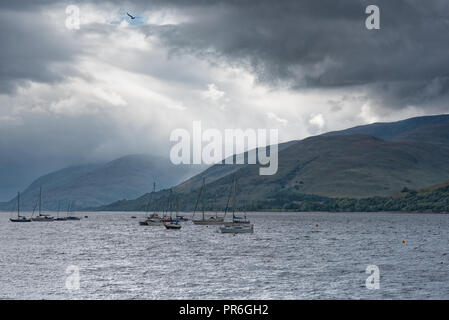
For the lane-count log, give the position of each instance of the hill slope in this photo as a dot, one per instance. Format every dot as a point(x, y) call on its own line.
point(398, 129)
point(99, 184)
point(349, 166)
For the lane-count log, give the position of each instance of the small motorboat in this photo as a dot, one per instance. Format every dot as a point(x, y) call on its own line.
point(182, 218)
point(174, 224)
point(153, 220)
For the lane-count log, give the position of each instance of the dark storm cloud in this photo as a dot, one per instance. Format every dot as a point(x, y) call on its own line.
point(308, 44)
point(325, 43)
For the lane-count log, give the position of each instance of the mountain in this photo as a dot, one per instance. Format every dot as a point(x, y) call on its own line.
point(400, 129)
point(409, 154)
point(221, 170)
point(99, 184)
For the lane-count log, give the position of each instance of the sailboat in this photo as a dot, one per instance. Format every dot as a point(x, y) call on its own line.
point(19, 217)
point(205, 221)
point(58, 218)
point(238, 224)
point(172, 223)
point(69, 210)
point(154, 219)
point(42, 217)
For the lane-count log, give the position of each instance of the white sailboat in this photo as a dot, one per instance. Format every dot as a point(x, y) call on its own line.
point(205, 221)
point(154, 219)
point(238, 224)
point(42, 217)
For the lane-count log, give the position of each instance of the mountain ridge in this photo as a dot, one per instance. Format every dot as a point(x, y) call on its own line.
point(102, 183)
point(345, 166)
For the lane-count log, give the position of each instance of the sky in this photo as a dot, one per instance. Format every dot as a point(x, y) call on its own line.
point(117, 86)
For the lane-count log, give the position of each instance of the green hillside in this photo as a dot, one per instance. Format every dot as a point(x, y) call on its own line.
point(318, 168)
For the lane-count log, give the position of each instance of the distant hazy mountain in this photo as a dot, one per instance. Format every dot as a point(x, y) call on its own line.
point(413, 155)
point(99, 184)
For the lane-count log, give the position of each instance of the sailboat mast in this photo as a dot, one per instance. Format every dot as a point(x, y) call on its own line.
point(198, 199)
point(202, 202)
point(18, 204)
point(227, 203)
point(168, 203)
point(233, 197)
point(40, 200)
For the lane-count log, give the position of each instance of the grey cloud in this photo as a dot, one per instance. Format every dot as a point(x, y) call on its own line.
point(320, 44)
point(307, 44)
point(32, 49)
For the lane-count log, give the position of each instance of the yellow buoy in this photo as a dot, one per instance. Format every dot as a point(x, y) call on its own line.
point(233, 234)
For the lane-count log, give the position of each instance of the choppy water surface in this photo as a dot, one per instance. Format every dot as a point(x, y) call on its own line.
point(289, 256)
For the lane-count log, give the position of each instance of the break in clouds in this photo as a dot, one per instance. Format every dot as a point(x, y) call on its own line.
point(116, 87)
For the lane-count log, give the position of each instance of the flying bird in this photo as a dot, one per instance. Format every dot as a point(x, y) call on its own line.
point(132, 18)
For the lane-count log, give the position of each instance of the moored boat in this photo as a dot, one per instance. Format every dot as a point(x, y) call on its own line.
point(174, 224)
point(58, 218)
point(154, 219)
point(19, 217)
point(238, 224)
point(69, 209)
point(205, 221)
point(171, 223)
point(182, 218)
point(42, 217)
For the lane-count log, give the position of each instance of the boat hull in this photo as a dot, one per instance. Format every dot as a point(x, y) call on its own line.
point(209, 222)
point(73, 218)
point(20, 220)
point(43, 219)
point(152, 223)
point(172, 226)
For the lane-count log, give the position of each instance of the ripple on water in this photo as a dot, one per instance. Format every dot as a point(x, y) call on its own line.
point(288, 257)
